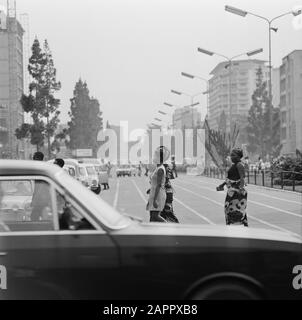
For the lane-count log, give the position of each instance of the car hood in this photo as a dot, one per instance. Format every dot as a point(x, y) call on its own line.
point(170, 229)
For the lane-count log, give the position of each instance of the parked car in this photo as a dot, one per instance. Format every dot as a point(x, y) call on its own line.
point(123, 170)
point(16, 199)
point(80, 174)
point(70, 170)
point(101, 169)
point(91, 172)
point(82, 248)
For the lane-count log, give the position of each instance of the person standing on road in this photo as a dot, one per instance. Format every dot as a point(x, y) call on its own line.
point(139, 173)
point(236, 198)
point(157, 194)
point(174, 166)
point(168, 212)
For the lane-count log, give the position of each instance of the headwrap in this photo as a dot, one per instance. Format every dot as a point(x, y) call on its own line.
point(238, 152)
point(161, 155)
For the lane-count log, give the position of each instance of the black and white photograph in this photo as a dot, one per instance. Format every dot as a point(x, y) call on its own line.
point(150, 150)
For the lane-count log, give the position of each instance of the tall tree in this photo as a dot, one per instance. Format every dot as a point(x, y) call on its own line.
point(86, 119)
point(260, 138)
point(40, 102)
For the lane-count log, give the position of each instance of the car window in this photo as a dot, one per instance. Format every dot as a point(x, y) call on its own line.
point(90, 170)
point(70, 217)
point(26, 205)
point(82, 171)
point(71, 172)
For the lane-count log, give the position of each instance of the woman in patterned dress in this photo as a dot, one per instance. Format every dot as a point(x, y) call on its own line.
point(236, 198)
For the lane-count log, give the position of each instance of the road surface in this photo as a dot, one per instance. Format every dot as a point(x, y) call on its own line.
point(196, 201)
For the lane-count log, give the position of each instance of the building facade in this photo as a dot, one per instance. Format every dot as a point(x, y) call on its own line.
point(230, 92)
point(11, 86)
point(186, 117)
point(291, 102)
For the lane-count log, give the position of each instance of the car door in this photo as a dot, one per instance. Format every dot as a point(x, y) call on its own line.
point(45, 262)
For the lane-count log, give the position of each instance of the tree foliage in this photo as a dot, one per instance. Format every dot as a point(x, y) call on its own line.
point(220, 144)
point(263, 139)
point(86, 119)
point(40, 103)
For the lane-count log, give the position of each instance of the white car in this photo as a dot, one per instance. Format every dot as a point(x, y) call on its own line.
point(100, 168)
point(92, 176)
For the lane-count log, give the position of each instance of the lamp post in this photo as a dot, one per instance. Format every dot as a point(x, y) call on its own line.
point(230, 60)
point(191, 98)
point(191, 76)
point(244, 13)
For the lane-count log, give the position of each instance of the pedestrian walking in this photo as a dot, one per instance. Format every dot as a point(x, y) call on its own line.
point(236, 198)
point(139, 173)
point(146, 170)
point(174, 166)
point(157, 194)
point(168, 211)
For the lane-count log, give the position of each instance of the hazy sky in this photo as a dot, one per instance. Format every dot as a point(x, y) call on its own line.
point(131, 52)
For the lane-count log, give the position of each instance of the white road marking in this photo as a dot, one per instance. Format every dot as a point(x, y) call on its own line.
point(252, 201)
point(177, 200)
point(194, 211)
point(116, 194)
point(249, 216)
point(144, 198)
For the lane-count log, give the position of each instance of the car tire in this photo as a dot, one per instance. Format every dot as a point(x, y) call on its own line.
point(226, 290)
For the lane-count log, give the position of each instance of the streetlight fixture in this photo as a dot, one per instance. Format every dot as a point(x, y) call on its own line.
point(192, 100)
point(161, 112)
point(269, 22)
point(230, 60)
point(192, 76)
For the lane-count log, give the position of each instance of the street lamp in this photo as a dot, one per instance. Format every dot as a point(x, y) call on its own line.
point(191, 76)
point(192, 100)
point(230, 60)
point(244, 13)
point(161, 112)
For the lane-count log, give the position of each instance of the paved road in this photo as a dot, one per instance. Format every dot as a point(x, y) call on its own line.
point(197, 202)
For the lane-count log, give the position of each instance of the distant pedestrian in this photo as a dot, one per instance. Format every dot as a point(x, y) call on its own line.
point(146, 170)
point(174, 171)
point(168, 211)
point(60, 162)
point(109, 168)
point(157, 194)
point(139, 173)
point(39, 156)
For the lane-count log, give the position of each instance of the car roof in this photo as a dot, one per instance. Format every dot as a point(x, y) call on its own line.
point(28, 167)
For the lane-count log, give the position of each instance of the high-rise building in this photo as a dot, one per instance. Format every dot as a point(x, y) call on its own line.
point(11, 86)
point(291, 102)
point(232, 85)
point(186, 117)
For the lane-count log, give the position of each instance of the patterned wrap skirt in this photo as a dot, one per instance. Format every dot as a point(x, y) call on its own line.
point(235, 204)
